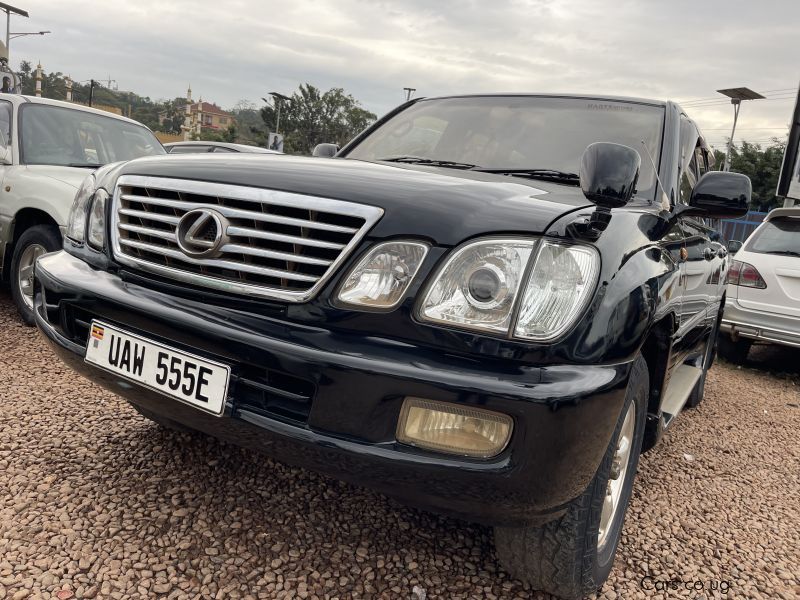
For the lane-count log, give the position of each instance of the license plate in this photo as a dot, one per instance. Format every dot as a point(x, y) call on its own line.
point(180, 375)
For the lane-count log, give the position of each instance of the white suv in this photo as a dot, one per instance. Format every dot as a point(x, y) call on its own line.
point(47, 149)
point(763, 299)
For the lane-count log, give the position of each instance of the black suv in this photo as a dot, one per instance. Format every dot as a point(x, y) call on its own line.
point(483, 305)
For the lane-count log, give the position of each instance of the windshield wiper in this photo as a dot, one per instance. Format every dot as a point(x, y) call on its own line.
point(433, 162)
point(783, 252)
point(546, 174)
point(85, 165)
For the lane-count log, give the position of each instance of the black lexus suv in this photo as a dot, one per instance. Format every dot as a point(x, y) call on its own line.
point(485, 306)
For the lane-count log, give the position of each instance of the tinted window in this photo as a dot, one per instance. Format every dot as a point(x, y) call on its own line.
point(517, 132)
point(52, 135)
point(223, 149)
point(5, 119)
point(188, 149)
point(781, 236)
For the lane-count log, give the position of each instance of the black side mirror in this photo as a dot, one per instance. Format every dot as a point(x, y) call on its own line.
point(721, 195)
point(325, 150)
point(734, 246)
point(609, 173)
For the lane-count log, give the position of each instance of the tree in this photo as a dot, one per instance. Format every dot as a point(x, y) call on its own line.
point(251, 128)
point(172, 115)
point(311, 117)
point(761, 166)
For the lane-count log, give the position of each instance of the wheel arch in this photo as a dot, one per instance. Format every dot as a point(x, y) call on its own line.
point(656, 350)
point(23, 220)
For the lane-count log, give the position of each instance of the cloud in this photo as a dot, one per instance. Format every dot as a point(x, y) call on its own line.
point(244, 49)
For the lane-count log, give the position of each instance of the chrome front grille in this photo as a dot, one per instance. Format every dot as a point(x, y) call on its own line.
point(275, 244)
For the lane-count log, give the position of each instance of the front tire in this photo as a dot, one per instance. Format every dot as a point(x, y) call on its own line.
point(38, 240)
point(572, 556)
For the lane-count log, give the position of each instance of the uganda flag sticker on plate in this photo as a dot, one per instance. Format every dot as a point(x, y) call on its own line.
point(97, 332)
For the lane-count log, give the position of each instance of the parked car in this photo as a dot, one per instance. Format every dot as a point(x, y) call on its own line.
point(492, 324)
point(46, 149)
point(200, 147)
point(763, 299)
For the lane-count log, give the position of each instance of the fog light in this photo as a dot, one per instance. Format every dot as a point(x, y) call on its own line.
point(453, 428)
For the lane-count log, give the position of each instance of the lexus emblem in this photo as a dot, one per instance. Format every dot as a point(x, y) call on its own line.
point(201, 233)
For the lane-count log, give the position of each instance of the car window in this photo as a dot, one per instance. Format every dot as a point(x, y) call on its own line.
point(189, 149)
point(6, 110)
point(779, 236)
point(223, 149)
point(55, 135)
point(689, 167)
point(517, 132)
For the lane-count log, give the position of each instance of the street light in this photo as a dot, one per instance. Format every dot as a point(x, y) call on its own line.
point(11, 36)
point(276, 96)
point(409, 91)
point(736, 95)
point(8, 9)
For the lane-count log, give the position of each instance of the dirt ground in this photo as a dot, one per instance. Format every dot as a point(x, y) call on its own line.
point(95, 501)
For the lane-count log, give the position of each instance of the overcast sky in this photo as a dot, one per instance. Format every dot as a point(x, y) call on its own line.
point(242, 49)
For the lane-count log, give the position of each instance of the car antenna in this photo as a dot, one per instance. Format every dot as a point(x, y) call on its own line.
point(655, 170)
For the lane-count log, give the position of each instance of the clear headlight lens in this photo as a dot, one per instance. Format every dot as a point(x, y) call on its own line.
point(483, 286)
point(561, 280)
point(453, 428)
point(381, 278)
point(76, 228)
point(477, 286)
point(97, 220)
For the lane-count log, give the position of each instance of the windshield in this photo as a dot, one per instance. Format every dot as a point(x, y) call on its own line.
point(517, 132)
point(53, 135)
point(781, 236)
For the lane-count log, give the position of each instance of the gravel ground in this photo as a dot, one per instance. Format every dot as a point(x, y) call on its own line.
point(98, 502)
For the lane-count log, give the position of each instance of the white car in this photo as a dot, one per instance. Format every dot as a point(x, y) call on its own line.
point(763, 299)
point(191, 147)
point(47, 149)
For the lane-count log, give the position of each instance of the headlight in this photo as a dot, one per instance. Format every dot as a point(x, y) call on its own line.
point(76, 229)
point(558, 287)
point(477, 286)
point(484, 286)
point(97, 220)
point(381, 278)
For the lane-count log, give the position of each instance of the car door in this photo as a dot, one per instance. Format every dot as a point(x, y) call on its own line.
point(6, 210)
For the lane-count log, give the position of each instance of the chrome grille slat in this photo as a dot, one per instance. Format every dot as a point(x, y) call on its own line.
point(278, 245)
point(237, 213)
point(240, 249)
point(215, 262)
point(279, 237)
point(159, 233)
point(143, 214)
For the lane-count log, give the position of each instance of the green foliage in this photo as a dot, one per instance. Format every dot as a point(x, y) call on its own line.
point(251, 127)
point(312, 117)
point(209, 135)
point(762, 166)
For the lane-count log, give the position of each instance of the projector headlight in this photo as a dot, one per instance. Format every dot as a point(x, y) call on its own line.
point(477, 286)
point(484, 286)
point(381, 278)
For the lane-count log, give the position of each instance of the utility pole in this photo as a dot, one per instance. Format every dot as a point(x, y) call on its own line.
point(277, 98)
point(91, 91)
point(409, 91)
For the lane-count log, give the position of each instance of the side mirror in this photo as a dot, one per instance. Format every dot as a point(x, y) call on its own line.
point(734, 246)
point(609, 173)
point(721, 195)
point(325, 150)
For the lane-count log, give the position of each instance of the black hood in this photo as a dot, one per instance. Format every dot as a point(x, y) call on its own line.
point(444, 205)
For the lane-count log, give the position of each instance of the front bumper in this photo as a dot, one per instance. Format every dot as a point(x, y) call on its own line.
point(761, 326)
point(329, 402)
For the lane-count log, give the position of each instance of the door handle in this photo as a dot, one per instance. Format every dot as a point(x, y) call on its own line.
point(709, 254)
